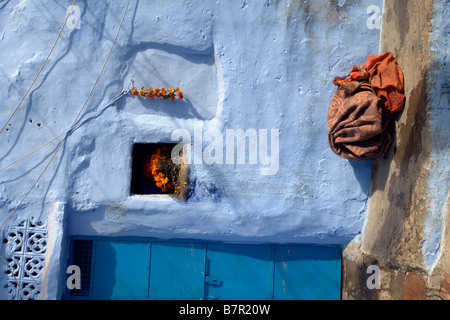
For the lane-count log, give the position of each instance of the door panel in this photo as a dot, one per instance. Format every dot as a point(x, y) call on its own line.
point(121, 270)
point(177, 271)
point(307, 272)
point(239, 272)
point(183, 270)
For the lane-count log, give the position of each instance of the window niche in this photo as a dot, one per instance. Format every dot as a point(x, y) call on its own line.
point(154, 173)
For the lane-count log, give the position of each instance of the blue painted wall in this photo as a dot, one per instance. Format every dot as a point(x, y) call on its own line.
point(259, 65)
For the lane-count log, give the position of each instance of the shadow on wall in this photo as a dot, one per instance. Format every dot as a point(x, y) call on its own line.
point(163, 65)
point(362, 168)
point(362, 174)
point(179, 109)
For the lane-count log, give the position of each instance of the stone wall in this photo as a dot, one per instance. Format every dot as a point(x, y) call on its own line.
point(407, 229)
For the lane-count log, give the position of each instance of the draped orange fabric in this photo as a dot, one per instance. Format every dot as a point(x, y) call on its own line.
point(384, 76)
point(357, 125)
point(386, 80)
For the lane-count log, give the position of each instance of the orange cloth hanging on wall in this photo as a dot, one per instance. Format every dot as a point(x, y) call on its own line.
point(384, 76)
point(357, 125)
point(362, 108)
point(386, 79)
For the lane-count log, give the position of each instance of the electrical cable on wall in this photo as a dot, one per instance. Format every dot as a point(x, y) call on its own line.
point(74, 122)
point(40, 70)
point(124, 92)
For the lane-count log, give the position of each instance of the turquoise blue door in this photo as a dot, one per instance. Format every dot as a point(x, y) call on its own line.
point(239, 272)
point(307, 273)
point(196, 271)
point(121, 270)
point(177, 271)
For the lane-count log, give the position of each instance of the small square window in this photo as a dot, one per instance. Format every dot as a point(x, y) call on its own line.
point(160, 176)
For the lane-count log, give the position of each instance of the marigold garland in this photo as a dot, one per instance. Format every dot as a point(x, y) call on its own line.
point(171, 94)
point(152, 170)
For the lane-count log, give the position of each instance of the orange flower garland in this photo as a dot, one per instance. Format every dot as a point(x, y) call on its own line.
point(153, 170)
point(171, 94)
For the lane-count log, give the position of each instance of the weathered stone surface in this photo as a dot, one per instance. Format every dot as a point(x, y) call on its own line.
point(399, 206)
point(445, 287)
point(414, 287)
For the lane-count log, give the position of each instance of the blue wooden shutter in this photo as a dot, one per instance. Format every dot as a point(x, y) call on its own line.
point(239, 272)
point(307, 272)
point(121, 270)
point(183, 270)
point(177, 271)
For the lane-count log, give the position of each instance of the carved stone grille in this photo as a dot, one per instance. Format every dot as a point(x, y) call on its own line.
point(26, 245)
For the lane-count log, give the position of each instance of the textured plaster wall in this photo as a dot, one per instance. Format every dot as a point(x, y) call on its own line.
point(241, 65)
